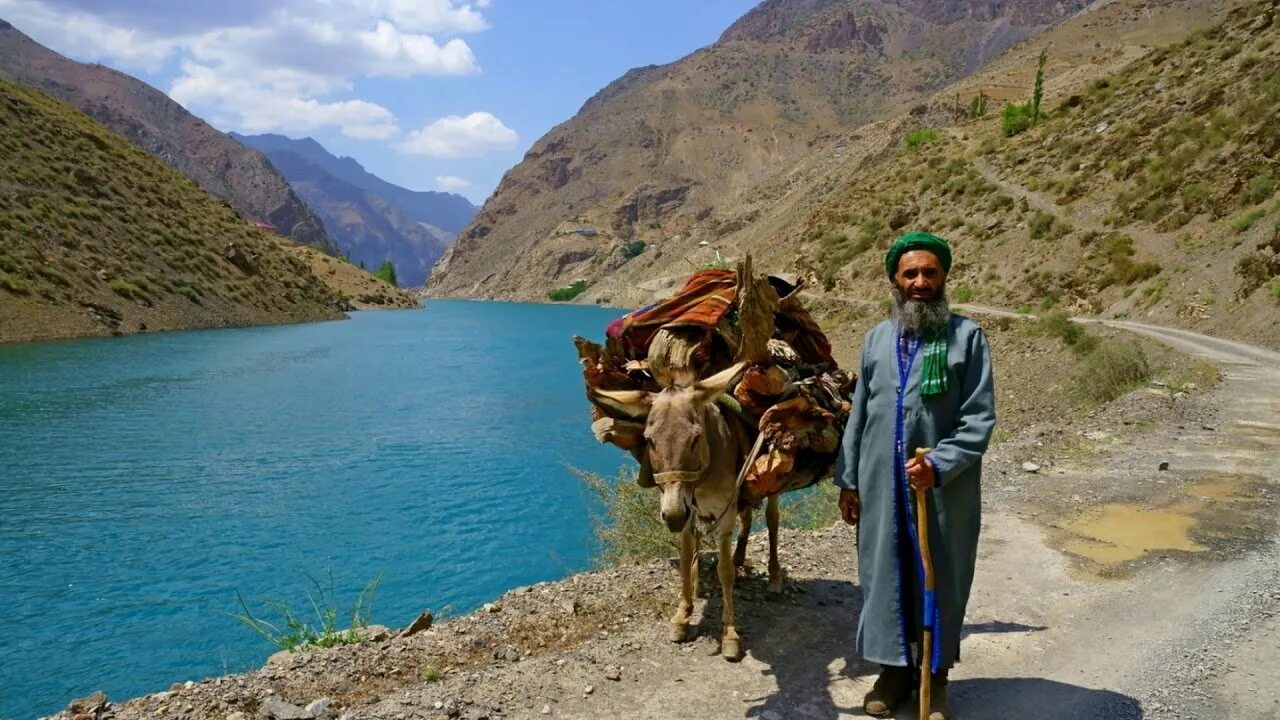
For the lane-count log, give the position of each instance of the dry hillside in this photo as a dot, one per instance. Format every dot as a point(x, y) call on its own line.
point(1149, 193)
point(359, 289)
point(145, 116)
point(665, 150)
point(98, 238)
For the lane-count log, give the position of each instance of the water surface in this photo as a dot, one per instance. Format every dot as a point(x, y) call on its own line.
point(145, 479)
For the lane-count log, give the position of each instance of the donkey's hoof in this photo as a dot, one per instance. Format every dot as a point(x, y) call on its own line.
point(774, 592)
point(680, 633)
point(731, 649)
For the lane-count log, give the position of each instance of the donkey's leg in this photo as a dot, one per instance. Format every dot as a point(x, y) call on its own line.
point(775, 568)
point(730, 643)
point(688, 550)
point(740, 552)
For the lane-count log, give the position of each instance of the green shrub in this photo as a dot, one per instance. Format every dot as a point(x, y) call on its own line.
point(1246, 221)
point(126, 289)
point(568, 292)
point(962, 294)
point(624, 519)
point(1275, 289)
point(1058, 325)
point(1041, 224)
point(922, 136)
point(1112, 369)
point(633, 249)
point(1259, 189)
point(816, 506)
point(14, 284)
point(1196, 197)
point(1017, 118)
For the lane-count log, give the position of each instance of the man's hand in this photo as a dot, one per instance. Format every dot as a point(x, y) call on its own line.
point(850, 506)
point(920, 474)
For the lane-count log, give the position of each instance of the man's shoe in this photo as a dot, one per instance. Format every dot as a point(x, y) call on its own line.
point(939, 707)
point(891, 688)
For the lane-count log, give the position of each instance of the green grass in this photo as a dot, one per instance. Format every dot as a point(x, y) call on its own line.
point(922, 136)
point(295, 632)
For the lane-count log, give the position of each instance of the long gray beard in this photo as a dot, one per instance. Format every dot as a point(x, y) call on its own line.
point(919, 317)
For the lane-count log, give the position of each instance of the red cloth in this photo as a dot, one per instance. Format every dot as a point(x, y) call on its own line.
point(702, 302)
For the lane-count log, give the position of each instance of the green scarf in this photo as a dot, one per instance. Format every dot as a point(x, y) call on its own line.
point(933, 374)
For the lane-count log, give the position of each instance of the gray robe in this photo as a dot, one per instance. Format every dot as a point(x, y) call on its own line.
point(879, 438)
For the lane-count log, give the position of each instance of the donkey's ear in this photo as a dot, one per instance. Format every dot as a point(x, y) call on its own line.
point(721, 381)
point(632, 403)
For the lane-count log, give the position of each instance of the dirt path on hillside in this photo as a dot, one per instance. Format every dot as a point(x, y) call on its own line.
point(1135, 574)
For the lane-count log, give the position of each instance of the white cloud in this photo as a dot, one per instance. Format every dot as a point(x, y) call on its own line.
point(281, 71)
point(436, 16)
point(449, 183)
point(259, 107)
point(90, 37)
point(475, 135)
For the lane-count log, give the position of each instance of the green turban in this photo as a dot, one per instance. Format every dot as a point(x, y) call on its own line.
point(917, 240)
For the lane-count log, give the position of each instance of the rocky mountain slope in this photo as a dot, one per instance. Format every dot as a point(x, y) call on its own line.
point(97, 238)
point(664, 151)
point(147, 117)
point(368, 226)
point(1149, 192)
point(449, 212)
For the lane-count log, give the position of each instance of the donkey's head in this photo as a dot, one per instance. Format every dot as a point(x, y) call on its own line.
point(683, 428)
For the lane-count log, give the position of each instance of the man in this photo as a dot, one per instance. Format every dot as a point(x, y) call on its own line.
point(925, 382)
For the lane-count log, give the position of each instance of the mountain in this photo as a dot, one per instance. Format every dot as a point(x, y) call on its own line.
point(662, 151)
point(448, 211)
point(97, 237)
point(368, 228)
point(147, 117)
point(1148, 193)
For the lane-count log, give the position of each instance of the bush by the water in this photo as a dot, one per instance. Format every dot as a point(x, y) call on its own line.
point(568, 292)
point(295, 633)
point(624, 519)
point(628, 529)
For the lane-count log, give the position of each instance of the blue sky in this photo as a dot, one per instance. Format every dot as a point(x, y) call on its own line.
point(429, 94)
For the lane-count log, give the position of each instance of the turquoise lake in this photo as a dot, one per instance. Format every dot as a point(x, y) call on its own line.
point(146, 479)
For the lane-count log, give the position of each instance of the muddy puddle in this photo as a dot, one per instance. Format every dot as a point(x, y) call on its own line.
point(1118, 533)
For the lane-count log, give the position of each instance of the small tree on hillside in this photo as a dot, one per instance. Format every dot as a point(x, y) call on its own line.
point(1039, 91)
point(387, 273)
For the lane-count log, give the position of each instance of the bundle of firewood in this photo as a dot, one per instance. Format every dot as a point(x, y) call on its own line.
point(792, 390)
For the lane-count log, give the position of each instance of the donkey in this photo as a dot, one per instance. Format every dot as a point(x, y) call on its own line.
point(696, 453)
